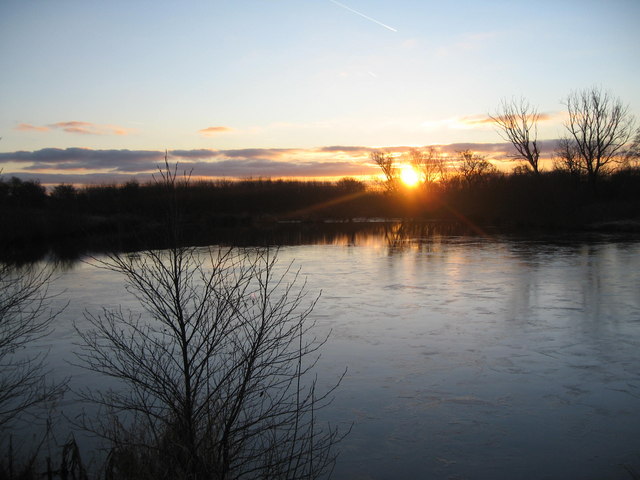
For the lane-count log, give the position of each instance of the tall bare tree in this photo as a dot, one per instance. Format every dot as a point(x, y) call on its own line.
point(517, 121)
point(214, 371)
point(600, 127)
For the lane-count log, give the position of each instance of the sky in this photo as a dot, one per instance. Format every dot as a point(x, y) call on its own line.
point(97, 91)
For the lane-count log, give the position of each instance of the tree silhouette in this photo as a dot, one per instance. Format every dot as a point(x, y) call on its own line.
point(517, 121)
point(599, 127)
point(386, 163)
point(473, 168)
point(25, 316)
point(429, 163)
point(215, 369)
point(567, 159)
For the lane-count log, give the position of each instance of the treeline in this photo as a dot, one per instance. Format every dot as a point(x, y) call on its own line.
point(31, 213)
point(523, 200)
point(554, 199)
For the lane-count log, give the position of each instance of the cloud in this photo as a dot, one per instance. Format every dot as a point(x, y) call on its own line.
point(84, 128)
point(245, 153)
point(251, 162)
point(81, 128)
point(87, 166)
point(26, 127)
point(85, 159)
point(346, 149)
point(199, 153)
point(87, 128)
point(466, 122)
point(268, 168)
point(273, 153)
point(270, 153)
point(482, 121)
point(473, 120)
point(548, 117)
point(499, 152)
point(503, 151)
point(211, 131)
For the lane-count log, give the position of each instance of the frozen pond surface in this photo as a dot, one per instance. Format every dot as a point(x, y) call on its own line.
point(468, 357)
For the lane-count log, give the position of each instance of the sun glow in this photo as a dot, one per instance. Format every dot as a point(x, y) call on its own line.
point(409, 176)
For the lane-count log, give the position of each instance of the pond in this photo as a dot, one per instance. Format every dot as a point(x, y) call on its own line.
point(469, 355)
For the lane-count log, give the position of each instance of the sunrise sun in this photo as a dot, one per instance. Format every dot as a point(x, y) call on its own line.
point(409, 176)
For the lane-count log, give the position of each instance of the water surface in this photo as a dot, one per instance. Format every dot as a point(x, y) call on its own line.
point(468, 356)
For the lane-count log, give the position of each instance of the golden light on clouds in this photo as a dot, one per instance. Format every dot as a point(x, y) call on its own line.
point(81, 128)
point(26, 127)
point(211, 131)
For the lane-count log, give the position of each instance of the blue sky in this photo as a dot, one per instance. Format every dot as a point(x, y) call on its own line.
point(263, 84)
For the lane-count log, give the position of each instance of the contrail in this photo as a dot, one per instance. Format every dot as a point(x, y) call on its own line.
point(363, 15)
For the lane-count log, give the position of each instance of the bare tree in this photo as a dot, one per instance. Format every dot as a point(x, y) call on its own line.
point(429, 163)
point(600, 127)
point(517, 121)
point(215, 368)
point(473, 168)
point(25, 316)
point(386, 163)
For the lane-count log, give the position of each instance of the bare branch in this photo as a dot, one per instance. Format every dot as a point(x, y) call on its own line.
point(517, 121)
point(386, 163)
point(430, 163)
point(600, 127)
point(25, 316)
point(215, 369)
point(474, 168)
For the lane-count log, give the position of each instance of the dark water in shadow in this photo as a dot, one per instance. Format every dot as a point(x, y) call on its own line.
point(393, 233)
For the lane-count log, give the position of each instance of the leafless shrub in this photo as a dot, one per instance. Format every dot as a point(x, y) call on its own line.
point(25, 316)
point(474, 168)
point(567, 159)
point(215, 369)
